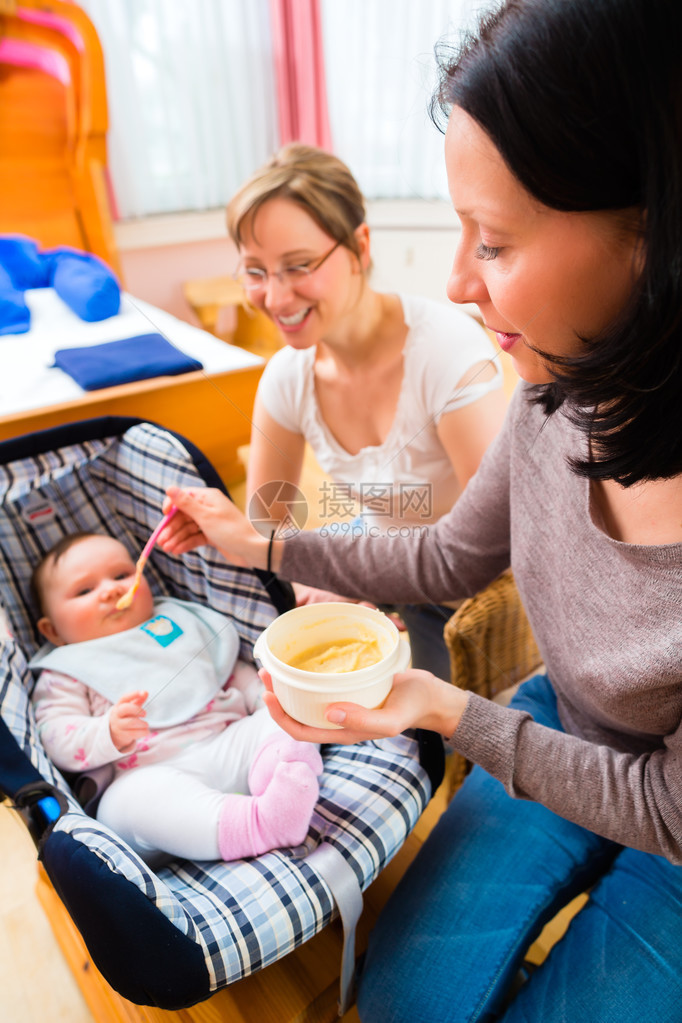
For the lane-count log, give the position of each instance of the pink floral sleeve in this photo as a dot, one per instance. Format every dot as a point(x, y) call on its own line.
point(73, 723)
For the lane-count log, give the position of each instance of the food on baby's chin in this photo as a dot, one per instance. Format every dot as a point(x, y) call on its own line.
point(344, 655)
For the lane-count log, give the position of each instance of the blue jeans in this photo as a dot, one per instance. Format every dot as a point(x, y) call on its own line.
point(493, 871)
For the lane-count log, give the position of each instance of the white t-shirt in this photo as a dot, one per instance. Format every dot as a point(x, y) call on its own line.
point(409, 477)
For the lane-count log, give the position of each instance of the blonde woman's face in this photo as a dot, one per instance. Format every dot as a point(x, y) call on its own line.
point(541, 278)
point(306, 308)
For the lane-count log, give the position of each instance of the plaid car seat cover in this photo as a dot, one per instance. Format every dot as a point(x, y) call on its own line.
point(243, 915)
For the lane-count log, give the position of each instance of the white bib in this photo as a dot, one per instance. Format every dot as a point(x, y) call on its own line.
point(182, 657)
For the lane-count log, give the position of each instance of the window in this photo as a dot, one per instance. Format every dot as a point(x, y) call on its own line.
point(191, 92)
point(193, 105)
point(381, 73)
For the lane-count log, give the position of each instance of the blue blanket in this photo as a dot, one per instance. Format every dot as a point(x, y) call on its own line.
point(122, 362)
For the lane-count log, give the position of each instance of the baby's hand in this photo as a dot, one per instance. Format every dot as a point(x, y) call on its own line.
point(126, 721)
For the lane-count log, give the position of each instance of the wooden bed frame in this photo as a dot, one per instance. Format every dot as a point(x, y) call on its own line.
point(211, 410)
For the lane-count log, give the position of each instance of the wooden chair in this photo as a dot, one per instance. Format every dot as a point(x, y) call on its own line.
point(492, 648)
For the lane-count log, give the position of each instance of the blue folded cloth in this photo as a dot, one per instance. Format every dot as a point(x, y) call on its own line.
point(122, 362)
point(15, 316)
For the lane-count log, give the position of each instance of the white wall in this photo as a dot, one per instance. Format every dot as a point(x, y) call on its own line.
point(413, 245)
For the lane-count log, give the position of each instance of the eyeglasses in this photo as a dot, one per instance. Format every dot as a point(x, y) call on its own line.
point(254, 278)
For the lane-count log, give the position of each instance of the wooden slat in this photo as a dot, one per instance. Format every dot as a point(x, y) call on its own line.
point(36, 191)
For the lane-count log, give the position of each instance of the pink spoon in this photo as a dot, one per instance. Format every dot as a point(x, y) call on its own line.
point(128, 597)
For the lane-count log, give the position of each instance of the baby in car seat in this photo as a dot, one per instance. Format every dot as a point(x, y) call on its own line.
point(156, 694)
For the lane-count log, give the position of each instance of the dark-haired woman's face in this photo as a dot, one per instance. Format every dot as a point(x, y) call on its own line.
point(542, 278)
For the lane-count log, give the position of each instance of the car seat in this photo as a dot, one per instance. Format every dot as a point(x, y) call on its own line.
point(171, 937)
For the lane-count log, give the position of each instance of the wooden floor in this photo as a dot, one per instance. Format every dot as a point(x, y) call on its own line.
point(35, 984)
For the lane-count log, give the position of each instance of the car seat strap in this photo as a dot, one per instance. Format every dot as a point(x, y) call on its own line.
point(335, 870)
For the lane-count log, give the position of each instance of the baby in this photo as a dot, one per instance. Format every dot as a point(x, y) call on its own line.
point(199, 769)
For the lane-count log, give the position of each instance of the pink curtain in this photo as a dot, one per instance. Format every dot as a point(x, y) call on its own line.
point(299, 70)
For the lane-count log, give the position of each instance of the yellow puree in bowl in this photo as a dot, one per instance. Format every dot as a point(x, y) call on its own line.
point(346, 655)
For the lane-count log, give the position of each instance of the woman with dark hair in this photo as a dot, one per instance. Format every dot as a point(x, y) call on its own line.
point(564, 158)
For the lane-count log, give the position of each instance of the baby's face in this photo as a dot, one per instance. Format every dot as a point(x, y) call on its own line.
point(82, 588)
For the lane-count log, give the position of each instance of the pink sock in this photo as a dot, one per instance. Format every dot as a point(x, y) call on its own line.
point(280, 816)
point(276, 750)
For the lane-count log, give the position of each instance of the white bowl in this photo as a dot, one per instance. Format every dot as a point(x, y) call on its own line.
point(305, 695)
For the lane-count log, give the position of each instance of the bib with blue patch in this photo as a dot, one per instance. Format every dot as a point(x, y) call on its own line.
point(182, 657)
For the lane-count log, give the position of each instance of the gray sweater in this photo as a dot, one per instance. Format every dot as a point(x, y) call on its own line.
point(607, 617)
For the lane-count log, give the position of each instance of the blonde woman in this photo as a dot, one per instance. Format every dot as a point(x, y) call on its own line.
point(399, 396)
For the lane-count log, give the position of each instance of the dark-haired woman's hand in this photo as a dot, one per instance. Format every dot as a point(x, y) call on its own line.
point(417, 700)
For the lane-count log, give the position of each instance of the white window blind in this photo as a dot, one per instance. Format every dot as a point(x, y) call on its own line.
point(191, 95)
point(192, 103)
point(381, 72)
